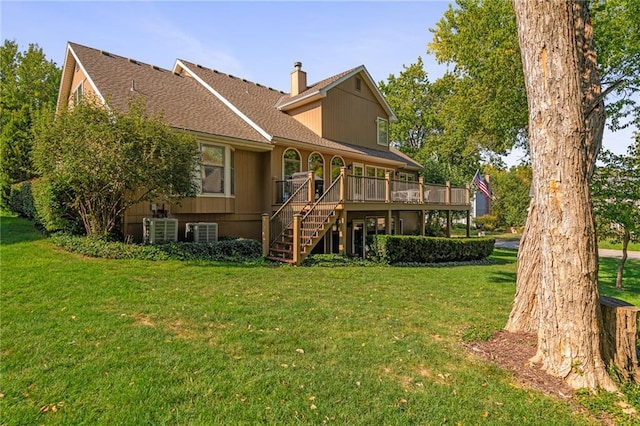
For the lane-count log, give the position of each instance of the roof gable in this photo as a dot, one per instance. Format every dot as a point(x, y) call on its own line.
point(183, 102)
point(320, 89)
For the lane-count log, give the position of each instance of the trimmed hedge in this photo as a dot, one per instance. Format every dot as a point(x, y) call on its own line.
point(240, 250)
point(21, 200)
point(394, 249)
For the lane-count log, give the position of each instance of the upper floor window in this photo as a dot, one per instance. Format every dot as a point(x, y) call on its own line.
point(290, 163)
point(383, 131)
point(217, 170)
point(336, 164)
point(77, 94)
point(316, 164)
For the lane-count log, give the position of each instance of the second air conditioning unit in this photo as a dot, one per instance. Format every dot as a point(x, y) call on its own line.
point(202, 232)
point(159, 230)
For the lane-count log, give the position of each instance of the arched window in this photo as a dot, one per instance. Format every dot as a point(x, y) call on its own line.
point(316, 164)
point(290, 163)
point(336, 163)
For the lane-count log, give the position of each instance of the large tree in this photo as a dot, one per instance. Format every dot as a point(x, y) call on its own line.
point(28, 84)
point(616, 200)
point(107, 160)
point(566, 122)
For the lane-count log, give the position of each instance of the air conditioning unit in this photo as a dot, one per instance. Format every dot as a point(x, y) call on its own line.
point(159, 230)
point(202, 232)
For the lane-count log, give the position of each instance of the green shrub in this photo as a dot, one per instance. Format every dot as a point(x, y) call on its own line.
point(396, 249)
point(53, 211)
point(21, 200)
point(240, 250)
point(487, 222)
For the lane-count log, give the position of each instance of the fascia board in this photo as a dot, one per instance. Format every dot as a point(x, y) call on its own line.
point(225, 101)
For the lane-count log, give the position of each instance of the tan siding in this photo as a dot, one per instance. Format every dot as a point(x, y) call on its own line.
point(350, 116)
point(310, 115)
point(79, 78)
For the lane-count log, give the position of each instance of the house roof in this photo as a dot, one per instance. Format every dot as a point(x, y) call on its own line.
point(204, 100)
point(184, 103)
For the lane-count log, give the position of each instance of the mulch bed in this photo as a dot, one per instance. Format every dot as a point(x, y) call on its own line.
point(512, 351)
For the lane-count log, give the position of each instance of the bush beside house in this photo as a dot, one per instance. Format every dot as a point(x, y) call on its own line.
point(395, 249)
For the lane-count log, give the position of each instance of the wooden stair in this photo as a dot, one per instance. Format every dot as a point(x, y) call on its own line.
point(312, 229)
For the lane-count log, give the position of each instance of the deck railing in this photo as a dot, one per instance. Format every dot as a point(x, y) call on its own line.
point(293, 204)
point(435, 193)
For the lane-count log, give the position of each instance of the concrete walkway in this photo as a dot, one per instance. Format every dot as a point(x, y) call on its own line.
point(602, 252)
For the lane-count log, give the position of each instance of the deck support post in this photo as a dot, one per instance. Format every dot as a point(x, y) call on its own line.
point(468, 222)
point(297, 220)
point(342, 226)
point(387, 187)
point(312, 188)
point(448, 223)
point(265, 234)
point(423, 220)
point(387, 227)
point(343, 182)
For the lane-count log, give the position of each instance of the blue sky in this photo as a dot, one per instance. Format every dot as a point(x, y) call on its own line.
point(258, 41)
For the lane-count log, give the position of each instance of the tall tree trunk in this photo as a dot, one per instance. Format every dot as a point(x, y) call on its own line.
point(625, 246)
point(524, 315)
point(566, 119)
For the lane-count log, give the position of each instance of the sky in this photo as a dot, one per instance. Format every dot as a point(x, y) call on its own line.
point(258, 41)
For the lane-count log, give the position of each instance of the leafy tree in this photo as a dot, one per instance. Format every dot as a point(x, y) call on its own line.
point(511, 194)
point(28, 84)
point(410, 96)
point(488, 106)
point(110, 160)
point(616, 200)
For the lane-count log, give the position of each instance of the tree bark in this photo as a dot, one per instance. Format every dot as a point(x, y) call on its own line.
point(566, 120)
point(524, 315)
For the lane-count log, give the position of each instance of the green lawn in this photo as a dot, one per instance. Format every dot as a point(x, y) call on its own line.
point(93, 341)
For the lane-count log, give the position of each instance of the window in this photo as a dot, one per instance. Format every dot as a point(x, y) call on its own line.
point(336, 164)
point(77, 94)
point(316, 164)
point(406, 177)
point(358, 84)
point(217, 172)
point(291, 163)
point(383, 132)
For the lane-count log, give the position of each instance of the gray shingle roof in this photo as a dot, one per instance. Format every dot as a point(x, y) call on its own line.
point(184, 103)
point(187, 104)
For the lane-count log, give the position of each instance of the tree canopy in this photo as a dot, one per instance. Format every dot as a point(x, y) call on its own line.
point(109, 160)
point(478, 110)
point(28, 85)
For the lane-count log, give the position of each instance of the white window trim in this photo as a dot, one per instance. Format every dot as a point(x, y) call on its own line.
point(227, 173)
point(378, 121)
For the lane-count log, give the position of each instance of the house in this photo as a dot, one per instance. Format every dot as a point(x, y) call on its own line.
point(307, 170)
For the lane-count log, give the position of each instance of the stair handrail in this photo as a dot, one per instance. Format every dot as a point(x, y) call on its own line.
point(329, 200)
point(285, 212)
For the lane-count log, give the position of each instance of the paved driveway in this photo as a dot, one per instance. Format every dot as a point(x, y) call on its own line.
point(602, 252)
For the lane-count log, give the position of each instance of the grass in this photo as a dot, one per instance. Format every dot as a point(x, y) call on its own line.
point(93, 341)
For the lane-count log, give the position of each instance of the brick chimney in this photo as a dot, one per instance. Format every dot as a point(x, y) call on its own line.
point(298, 79)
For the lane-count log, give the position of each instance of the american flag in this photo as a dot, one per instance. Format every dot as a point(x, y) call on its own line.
point(481, 184)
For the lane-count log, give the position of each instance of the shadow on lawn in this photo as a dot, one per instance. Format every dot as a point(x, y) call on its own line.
point(15, 230)
point(630, 279)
